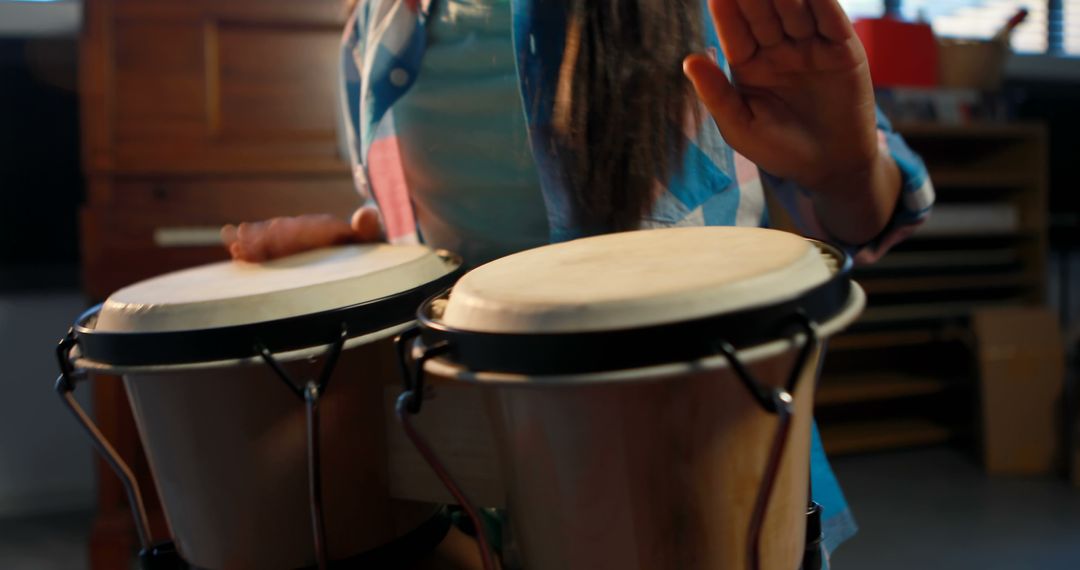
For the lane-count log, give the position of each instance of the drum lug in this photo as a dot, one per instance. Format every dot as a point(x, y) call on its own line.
point(324, 376)
point(775, 400)
point(413, 378)
point(402, 343)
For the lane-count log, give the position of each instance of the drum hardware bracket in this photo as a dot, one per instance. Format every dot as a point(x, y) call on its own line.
point(324, 376)
point(774, 400)
point(152, 556)
point(780, 402)
point(310, 393)
point(413, 379)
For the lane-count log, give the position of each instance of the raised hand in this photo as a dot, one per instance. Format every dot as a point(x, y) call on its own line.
point(802, 105)
point(279, 237)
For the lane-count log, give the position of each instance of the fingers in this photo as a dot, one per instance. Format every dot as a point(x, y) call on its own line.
point(832, 22)
point(288, 236)
point(745, 26)
point(228, 234)
point(247, 240)
point(763, 21)
point(736, 39)
point(726, 105)
point(366, 225)
point(796, 19)
point(279, 237)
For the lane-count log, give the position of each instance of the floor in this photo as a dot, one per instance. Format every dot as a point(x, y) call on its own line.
point(924, 509)
point(46, 542)
point(933, 509)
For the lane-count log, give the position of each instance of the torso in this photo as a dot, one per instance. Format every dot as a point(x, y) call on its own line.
point(464, 142)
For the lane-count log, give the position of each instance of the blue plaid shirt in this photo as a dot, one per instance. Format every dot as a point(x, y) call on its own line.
point(382, 50)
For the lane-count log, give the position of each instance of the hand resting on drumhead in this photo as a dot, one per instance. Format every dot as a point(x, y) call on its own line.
point(282, 236)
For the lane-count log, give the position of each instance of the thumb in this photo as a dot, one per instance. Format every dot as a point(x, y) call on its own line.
point(366, 225)
point(724, 102)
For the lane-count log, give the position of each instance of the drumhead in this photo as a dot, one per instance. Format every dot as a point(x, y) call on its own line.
point(226, 312)
point(235, 293)
point(640, 299)
point(635, 279)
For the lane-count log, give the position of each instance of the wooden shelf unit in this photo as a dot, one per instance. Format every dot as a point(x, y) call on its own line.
point(840, 439)
point(912, 349)
point(865, 388)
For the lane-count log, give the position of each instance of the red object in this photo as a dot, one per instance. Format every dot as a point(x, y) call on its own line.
point(901, 54)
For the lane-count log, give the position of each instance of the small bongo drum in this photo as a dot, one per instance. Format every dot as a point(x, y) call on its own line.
point(650, 393)
point(258, 392)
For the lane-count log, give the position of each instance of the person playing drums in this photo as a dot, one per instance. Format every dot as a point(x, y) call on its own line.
point(491, 126)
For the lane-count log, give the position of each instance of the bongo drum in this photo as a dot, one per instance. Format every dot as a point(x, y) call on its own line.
point(650, 393)
point(257, 390)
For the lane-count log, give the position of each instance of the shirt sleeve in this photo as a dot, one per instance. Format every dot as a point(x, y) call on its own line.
point(913, 206)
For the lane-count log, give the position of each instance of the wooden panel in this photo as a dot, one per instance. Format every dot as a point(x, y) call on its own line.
point(320, 12)
point(1022, 373)
point(122, 226)
point(230, 200)
point(276, 82)
point(845, 438)
point(95, 81)
point(212, 87)
point(160, 82)
point(884, 339)
point(851, 388)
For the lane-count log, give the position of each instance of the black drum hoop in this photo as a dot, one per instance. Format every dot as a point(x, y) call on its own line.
point(554, 353)
point(235, 342)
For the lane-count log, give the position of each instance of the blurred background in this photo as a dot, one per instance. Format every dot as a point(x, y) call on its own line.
point(130, 130)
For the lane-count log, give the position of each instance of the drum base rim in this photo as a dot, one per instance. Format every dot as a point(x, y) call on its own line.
point(290, 356)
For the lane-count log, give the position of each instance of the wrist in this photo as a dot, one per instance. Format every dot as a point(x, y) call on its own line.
point(855, 207)
point(851, 180)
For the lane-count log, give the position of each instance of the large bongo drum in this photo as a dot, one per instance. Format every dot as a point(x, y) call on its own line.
point(650, 393)
point(258, 392)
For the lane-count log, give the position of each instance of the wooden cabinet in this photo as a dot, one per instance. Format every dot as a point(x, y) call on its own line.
point(200, 112)
point(905, 374)
point(136, 227)
point(195, 113)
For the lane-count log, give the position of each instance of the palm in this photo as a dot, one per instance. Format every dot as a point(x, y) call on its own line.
point(802, 106)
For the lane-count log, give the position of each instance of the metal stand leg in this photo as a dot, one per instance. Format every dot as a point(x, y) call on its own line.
point(812, 556)
point(159, 556)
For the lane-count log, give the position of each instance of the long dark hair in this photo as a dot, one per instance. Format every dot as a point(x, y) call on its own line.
point(622, 100)
point(621, 103)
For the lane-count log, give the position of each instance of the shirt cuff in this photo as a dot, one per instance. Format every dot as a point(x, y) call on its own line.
point(913, 206)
